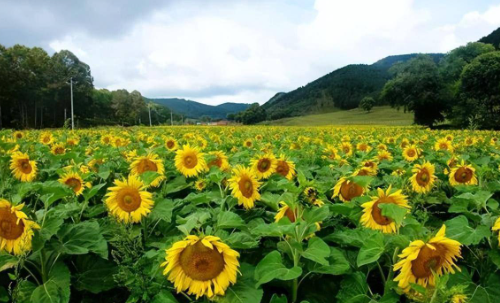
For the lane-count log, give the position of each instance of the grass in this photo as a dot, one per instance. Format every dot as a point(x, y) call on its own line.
point(382, 115)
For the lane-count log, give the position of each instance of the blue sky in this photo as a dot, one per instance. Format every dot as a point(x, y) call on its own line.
point(217, 51)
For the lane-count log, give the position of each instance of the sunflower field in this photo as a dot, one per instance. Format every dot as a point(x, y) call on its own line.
point(250, 214)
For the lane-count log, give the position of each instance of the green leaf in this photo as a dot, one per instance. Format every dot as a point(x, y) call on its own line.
point(278, 299)
point(162, 210)
point(93, 191)
point(57, 287)
point(317, 214)
point(393, 211)
point(23, 292)
point(228, 219)
point(51, 225)
point(371, 250)
point(164, 296)
point(175, 185)
point(244, 291)
point(487, 293)
point(494, 255)
point(458, 229)
point(353, 289)
point(338, 264)
point(94, 274)
point(7, 261)
point(317, 250)
point(271, 267)
point(148, 177)
point(80, 239)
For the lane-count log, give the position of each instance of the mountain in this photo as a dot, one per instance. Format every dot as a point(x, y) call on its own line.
point(341, 89)
point(193, 109)
point(493, 38)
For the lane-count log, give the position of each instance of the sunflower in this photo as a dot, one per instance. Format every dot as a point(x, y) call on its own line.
point(372, 214)
point(22, 167)
point(419, 260)
point(496, 227)
point(46, 138)
point(459, 298)
point(58, 149)
point(264, 166)
point(16, 230)
point(150, 162)
point(285, 211)
point(384, 155)
point(331, 152)
point(371, 167)
point(244, 186)
point(248, 143)
point(347, 190)
point(285, 167)
point(423, 177)
point(220, 160)
point(171, 144)
point(462, 175)
point(364, 147)
point(443, 144)
point(17, 135)
point(73, 141)
point(129, 201)
point(202, 266)
point(311, 196)
point(411, 153)
point(106, 139)
point(74, 181)
point(190, 161)
point(346, 148)
point(200, 184)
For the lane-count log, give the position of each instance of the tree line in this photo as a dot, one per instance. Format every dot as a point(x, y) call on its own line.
point(35, 93)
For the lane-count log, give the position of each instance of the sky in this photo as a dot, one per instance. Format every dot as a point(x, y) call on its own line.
point(238, 51)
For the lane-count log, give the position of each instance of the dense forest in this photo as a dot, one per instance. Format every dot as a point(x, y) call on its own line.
point(35, 93)
point(197, 110)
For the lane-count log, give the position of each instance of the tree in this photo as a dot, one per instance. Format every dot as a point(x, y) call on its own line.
point(252, 115)
point(417, 87)
point(367, 103)
point(479, 92)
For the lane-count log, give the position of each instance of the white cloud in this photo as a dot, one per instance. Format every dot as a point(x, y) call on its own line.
point(248, 51)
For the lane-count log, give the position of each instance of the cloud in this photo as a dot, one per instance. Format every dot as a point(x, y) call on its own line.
point(232, 51)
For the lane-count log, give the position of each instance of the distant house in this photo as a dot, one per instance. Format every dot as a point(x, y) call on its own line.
point(222, 122)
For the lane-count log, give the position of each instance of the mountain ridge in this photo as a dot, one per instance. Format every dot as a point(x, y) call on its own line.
point(195, 110)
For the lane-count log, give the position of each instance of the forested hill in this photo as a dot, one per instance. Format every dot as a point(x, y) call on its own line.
point(493, 38)
point(341, 89)
point(193, 109)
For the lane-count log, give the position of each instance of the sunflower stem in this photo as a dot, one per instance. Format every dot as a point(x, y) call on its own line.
point(390, 275)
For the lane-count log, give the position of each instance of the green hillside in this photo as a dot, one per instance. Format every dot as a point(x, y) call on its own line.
point(382, 115)
point(341, 89)
point(493, 38)
point(195, 110)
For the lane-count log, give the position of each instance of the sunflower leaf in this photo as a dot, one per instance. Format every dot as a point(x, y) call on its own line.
point(393, 211)
point(317, 250)
point(372, 249)
point(271, 267)
point(228, 219)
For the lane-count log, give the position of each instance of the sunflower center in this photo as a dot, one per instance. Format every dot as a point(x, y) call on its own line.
point(411, 153)
point(46, 139)
point(129, 199)
point(377, 212)
point(170, 144)
point(347, 149)
point(248, 143)
point(350, 190)
point(146, 165)
point(428, 260)
point(9, 229)
point(264, 165)
point(74, 184)
point(282, 168)
point(59, 150)
point(423, 177)
point(216, 162)
point(290, 214)
point(246, 187)
point(443, 146)
point(463, 175)
point(201, 263)
point(25, 166)
point(190, 161)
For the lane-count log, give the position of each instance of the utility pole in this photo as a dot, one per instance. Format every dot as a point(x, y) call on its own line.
point(149, 107)
point(171, 118)
point(72, 117)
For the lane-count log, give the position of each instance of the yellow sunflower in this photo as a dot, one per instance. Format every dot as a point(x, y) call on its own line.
point(200, 184)
point(285, 167)
point(150, 162)
point(496, 227)
point(244, 186)
point(371, 167)
point(462, 175)
point(17, 135)
point(171, 144)
point(443, 144)
point(285, 211)
point(346, 148)
point(311, 196)
point(190, 161)
point(106, 139)
point(384, 155)
point(128, 200)
point(16, 230)
point(423, 177)
point(22, 167)
point(331, 152)
point(364, 147)
point(411, 153)
point(58, 149)
point(264, 166)
point(248, 143)
point(202, 266)
point(419, 260)
point(372, 214)
point(347, 190)
point(74, 181)
point(46, 138)
point(220, 160)
point(459, 298)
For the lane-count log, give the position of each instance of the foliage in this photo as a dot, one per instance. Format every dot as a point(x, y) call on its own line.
point(367, 103)
point(252, 115)
point(82, 254)
point(193, 109)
